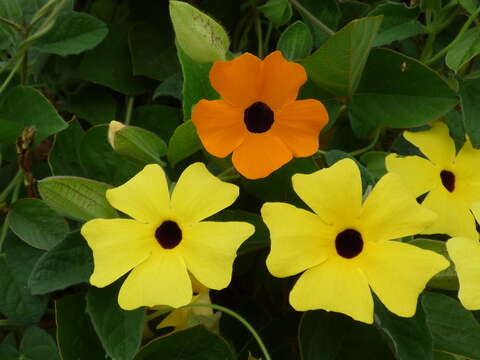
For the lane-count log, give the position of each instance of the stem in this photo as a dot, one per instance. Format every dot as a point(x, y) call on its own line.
point(14, 25)
point(12, 72)
point(267, 36)
point(128, 116)
point(369, 146)
point(258, 31)
point(11, 185)
point(311, 17)
point(5, 226)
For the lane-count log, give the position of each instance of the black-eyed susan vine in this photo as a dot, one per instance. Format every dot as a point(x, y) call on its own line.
point(262, 179)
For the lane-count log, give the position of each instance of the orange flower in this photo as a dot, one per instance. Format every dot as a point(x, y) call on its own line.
point(259, 118)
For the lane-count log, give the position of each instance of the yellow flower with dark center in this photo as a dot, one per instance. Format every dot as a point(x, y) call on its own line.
point(345, 248)
point(451, 180)
point(465, 254)
point(166, 238)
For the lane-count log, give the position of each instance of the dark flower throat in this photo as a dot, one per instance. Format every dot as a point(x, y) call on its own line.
point(349, 243)
point(168, 234)
point(448, 180)
point(258, 117)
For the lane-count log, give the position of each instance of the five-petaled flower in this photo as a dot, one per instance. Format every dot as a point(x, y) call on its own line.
point(259, 118)
point(452, 181)
point(166, 238)
point(345, 246)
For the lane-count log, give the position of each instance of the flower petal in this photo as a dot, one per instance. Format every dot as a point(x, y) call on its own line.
point(435, 143)
point(390, 211)
point(144, 197)
point(219, 125)
point(118, 245)
point(281, 80)
point(198, 194)
point(398, 272)
point(299, 239)
point(334, 193)
point(454, 216)
point(299, 123)
point(417, 173)
point(335, 285)
point(209, 249)
point(465, 253)
point(237, 81)
point(467, 163)
point(161, 280)
point(259, 155)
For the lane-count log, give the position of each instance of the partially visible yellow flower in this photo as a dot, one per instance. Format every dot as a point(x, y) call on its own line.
point(465, 254)
point(166, 238)
point(345, 248)
point(451, 180)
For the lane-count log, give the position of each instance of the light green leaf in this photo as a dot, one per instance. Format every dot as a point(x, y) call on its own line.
point(278, 12)
point(375, 163)
point(183, 143)
point(464, 50)
point(470, 5)
point(296, 41)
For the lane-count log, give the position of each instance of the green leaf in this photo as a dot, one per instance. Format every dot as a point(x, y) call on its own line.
point(9, 131)
point(140, 144)
point(37, 224)
point(183, 143)
point(413, 96)
point(196, 343)
point(454, 329)
point(338, 65)
point(296, 41)
point(329, 335)
point(120, 331)
point(75, 334)
point(375, 163)
point(68, 263)
point(470, 101)
point(77, 198)
point(159, 119)
point(470, 5)
point(73, 33)
point(464, 50)
point(38, 345)
point(278, 12)
point(16, 264)
point(12, 11)
point(328, 12)
point(171, 86)
point(196, 83)
point(36, 111)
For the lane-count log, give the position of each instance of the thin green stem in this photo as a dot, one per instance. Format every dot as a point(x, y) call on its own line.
point(14, 25)
point(473, 75)
point(42, 12)
point(369, 146)
point(311, 17)
point(128, 115)
point(9, 323)
point(267, 37)
point(11, 185)
point(258, 31)
point(12, 72)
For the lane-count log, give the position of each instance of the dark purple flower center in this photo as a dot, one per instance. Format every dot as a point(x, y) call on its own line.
point(168, 234)
point(448, 180)
point(258, 117)
point(349, 243)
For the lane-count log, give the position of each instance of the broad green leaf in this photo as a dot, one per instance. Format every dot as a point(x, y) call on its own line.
point(120, 331)
point(327, 11)
point(199, 36)
point(399, 22)
point(38, 345)
point(159, 119)
point(196, 83)
point(73, 33)
point(34, 222)
point(76, 337)
point(296, 41)
point(329, 335)
point(470, 101)
point(470, 5)
point(375, 163)
point(171, 86)
point(454, 329)
point(8, 352)
point(413, 96)
point(338, 64)
point(12, 11)
point(464, 50)
point(140, 144)
point(410, 337)
point(196, 343)
point(36, 111)
point(68, 263)
point(183, 143)
point(9, 131)
point(278, 12)
point(16, 263)
point(76, 197)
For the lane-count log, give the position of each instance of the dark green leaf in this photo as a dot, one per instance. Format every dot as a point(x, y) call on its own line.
point(278, 12)
point(375, 163)
point(9, 131)
point(183, 143)
point(38, 345)
point(464, 50)
point(172, 86)
point(296, 41)
point(327, 11)
point(159, 119)
point(470, 5)
point(470, 101)
point(8, 352)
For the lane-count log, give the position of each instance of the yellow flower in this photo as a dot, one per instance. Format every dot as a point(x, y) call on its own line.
point(166, 238)
point(465, 254)
point(452, 181)
point(344, 247)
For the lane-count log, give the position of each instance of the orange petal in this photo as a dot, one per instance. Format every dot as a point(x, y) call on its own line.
point(237, 80)
point(259, 155)
point(219, 125)
point(299, 123)
point(281, 80)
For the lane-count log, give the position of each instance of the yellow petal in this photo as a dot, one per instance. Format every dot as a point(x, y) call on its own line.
point(398, 272)
point(391, 211)
point(161, 280)
point(335, 193)
point(435, 143)
point(467, 163)
point(176, 319)
point(144, 197)
point(335, 285)
point(209, 249)
point(454, 216)
point(118, 245)
point(198, 194)
point(418, 174)
point(465, 253)
point(299, 239)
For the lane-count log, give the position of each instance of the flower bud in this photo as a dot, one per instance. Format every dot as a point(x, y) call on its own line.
point(112, 130)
